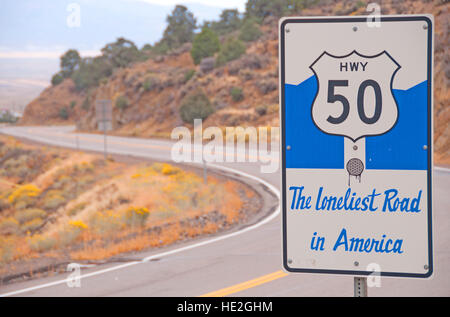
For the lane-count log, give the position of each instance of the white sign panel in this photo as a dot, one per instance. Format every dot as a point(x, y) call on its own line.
point(103, 110)
point(356, 119)
point(103, 114)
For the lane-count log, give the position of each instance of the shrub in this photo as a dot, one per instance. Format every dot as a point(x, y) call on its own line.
point(53, 201)
point(147, 85)
point(360, 4)
point(267, 85)
point(8, 117)
point(60, 182)
point(136, 216)
point(7, 246)
point(160, 48)
point(122, 102)
point(8, 226)
point(73, 103)
point(105, 222)
point(30, 214)
point(195, 106)
point(260, 9)
point(3, 204)
point(121, 53)
point(91, 71)
point(248, 61)
point(205, 44)
point(68, 235)
point(157, 167)
point(246, 74)
point(230, 20)
point(150, 83)
point(24, 191)
point(168, 169)
point(17, 166)
point(86, 104)
point(188, 75)
point(32, 225)
point(261, 110)
point(230, 50)
point(236, 94)
point(69, 62)
point(57, 79)
point(40, 243)
point(77, 208)
point(249, 31)
point(207, 64)
point(64, 113)
point(78, 224)
point(181, 24)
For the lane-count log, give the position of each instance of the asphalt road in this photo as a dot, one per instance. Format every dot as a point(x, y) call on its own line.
point(241, 263)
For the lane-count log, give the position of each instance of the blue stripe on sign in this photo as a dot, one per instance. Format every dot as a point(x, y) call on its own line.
point(399, 149)
point(402, 147)
point(310, 147)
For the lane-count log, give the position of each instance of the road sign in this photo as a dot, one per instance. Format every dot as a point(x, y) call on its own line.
point(356, 119)
point(103, 114)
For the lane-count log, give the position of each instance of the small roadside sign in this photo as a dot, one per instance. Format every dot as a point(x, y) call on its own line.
point(103, 114)
point(356, 121)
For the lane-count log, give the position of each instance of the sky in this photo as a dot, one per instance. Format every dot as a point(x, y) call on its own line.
point(46, 28)
point(239, 4)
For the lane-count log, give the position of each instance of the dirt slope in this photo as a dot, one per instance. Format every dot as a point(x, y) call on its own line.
point(155, 88)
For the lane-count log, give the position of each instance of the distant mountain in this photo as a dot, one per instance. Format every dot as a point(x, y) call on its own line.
point(23, 79)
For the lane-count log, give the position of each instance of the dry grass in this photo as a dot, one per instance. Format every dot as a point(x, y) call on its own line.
point(47, 178)
point(103, 249)
point(169, 195)
point(113, 209)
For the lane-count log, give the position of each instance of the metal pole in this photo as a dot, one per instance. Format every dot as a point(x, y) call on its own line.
point(104, 139)
point(205, 170)
point(104, 129)
point(360, 286)
point(77, 142)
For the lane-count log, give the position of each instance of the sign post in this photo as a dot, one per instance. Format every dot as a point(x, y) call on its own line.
point(360, 286)
point(356, 120)
point(103, 113)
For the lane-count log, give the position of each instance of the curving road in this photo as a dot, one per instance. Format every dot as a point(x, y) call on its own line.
point(244, 262)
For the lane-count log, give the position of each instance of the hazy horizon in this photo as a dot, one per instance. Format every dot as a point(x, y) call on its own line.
point(35, 34)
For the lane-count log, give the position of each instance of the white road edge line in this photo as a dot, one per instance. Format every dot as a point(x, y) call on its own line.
point(442, 169)
point(188, 247)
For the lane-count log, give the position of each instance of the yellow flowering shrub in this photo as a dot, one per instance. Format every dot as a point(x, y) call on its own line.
point(136, 216)
point(78, 224)
point(28, 190)
point(168, 169)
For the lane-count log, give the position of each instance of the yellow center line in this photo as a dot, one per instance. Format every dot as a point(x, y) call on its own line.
point(246, 285)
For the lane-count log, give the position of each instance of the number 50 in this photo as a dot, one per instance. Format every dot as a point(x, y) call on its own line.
point(333, 97)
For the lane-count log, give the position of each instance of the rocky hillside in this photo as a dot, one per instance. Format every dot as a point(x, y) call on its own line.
point(147, 95)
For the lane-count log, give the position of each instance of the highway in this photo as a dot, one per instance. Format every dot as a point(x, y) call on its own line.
point(243, 262)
